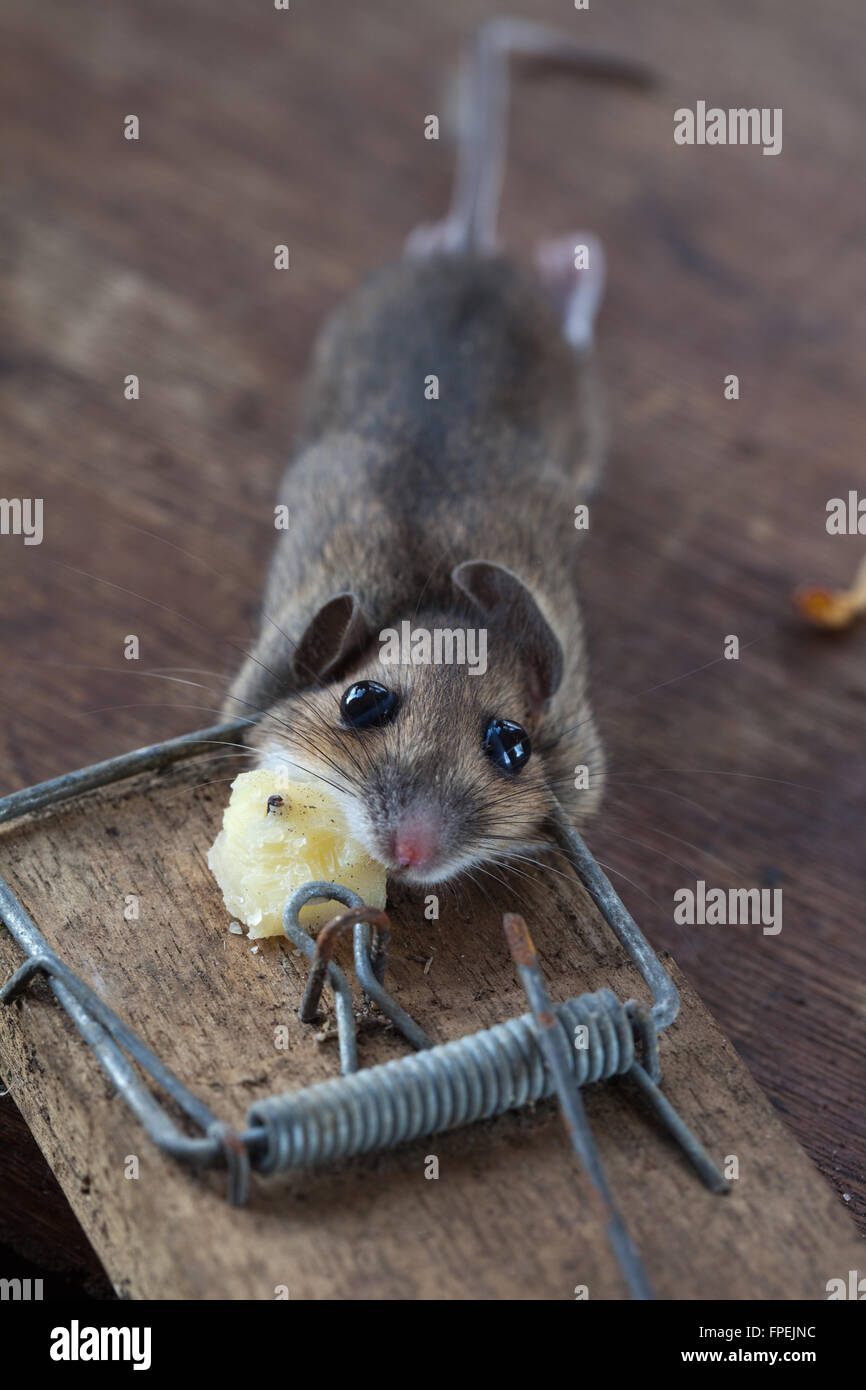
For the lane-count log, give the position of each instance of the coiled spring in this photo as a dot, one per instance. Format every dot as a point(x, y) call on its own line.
point(456, 1083)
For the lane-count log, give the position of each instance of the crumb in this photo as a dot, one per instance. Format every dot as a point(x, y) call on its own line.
point(254, 950)
point(236, 929)
point(834, 608)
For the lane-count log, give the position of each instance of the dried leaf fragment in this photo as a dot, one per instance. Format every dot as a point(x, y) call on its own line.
point(834, 608)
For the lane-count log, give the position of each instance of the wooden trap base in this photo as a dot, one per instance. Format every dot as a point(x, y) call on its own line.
point(508, 1216)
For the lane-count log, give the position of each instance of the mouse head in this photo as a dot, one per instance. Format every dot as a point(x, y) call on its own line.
point(435, 734)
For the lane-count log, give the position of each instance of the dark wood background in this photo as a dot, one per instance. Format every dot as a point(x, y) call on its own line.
point(156, 257)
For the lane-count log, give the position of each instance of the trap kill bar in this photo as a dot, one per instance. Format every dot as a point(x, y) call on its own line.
point(435, 1089)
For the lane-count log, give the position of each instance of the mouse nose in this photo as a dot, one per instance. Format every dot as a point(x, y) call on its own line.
point(414, 842)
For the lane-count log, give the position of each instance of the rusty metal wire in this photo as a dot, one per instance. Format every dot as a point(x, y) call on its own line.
point(370, 964)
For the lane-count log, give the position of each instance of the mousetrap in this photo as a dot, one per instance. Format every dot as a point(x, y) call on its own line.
point(474, 1074)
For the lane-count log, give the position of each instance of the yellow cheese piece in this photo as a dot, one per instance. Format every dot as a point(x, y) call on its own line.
point(262, 855)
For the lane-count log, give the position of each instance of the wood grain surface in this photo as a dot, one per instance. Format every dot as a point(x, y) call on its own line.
point(509, 1215)
point(156, 257)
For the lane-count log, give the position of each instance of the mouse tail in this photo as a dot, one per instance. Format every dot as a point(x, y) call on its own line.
point(482, 134)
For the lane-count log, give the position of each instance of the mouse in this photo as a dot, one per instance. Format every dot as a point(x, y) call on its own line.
point(421, 646)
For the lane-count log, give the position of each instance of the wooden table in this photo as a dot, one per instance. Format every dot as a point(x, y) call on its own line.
point(156, 258)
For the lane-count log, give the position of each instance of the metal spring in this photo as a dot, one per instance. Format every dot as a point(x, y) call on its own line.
point(456, 1083)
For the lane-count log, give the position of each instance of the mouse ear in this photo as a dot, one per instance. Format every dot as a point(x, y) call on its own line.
point(502, 596)
point(337, 633)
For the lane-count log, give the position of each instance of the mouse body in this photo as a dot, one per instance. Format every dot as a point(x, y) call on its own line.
point(449, 430)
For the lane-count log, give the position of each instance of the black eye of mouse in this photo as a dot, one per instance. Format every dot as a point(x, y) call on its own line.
point(366, 705)
point(507, 744)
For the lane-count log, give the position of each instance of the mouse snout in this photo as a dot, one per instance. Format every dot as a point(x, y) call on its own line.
point(414, 841)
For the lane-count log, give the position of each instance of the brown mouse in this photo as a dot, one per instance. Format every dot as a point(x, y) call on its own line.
point(450, 428)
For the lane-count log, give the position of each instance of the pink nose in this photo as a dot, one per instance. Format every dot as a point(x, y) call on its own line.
point(414, 844)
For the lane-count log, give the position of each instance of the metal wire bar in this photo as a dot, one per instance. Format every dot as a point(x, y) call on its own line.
point(324, 950)
point(697, 1155)
point(555, 1051)
point(370, 963)
point(376, 991)
point(619, 919)
point(347, 1033)
point(85, 779)
point(102, 1030)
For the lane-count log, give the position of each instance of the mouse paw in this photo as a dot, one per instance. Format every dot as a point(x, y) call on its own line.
point(435, 239)
point(571, 269)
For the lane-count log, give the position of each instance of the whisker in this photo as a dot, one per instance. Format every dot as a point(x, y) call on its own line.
point(716, 772)
point(705, 853)
point(666, 791)
point(611, 870)
point(650, 849)
point(132, 593)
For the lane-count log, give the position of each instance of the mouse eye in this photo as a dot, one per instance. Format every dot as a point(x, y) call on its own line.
point(366, 705)
point(507, 744)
